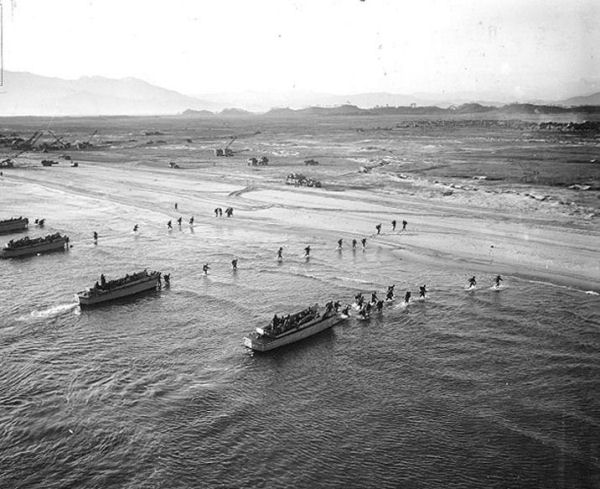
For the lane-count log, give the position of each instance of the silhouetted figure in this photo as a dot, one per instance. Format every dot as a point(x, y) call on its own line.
point(404, 223)
point(95, 236)
point(422, 291)
point(390, 293)
point(307, 251)
point(354, 244)
point(498, 280)
point(135, 228)
point(407, 297)
point(179, 221)
point(340, 243)
point(364, 242)
point(394, 225)
point(192, 221)
point(169, 225)
point(234, 264)
point(378, 227)
point(205, 269)
point(280, 253)
point(175, 209)
point(472, 282)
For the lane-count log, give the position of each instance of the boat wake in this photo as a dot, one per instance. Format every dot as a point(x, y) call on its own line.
point(57, 310)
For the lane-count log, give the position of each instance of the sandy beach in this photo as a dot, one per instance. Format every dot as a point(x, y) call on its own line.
point(475, 230)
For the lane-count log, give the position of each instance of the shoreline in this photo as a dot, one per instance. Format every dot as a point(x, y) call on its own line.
point(536, 247)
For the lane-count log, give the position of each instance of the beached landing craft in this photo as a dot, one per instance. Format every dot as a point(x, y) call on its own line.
point(285, 330)
point(14, 224)
point(117, 289)
point(26, 246)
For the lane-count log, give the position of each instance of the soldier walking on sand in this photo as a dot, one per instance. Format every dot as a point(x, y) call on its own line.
point(280, 253)
point(378, 227)
point(394, 225)
point(234, 264)
point(364, 243)
point(169, 225)
point(404, 223)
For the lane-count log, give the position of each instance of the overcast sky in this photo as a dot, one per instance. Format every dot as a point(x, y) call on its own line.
point(336, 46)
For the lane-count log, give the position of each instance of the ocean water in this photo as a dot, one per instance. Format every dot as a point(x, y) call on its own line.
point(466, 389)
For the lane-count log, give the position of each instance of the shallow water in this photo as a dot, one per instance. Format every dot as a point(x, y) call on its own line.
point(466, 389)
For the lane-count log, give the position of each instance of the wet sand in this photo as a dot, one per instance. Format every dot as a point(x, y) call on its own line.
point(497, 237)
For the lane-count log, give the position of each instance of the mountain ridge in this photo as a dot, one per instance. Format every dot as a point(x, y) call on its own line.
point(29, 94)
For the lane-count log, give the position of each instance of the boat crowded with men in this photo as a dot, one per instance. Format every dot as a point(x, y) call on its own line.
point(13, 225)
point(283, 330)
point(32, 246)
point(129, 285)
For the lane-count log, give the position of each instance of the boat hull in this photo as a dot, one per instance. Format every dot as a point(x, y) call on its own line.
point(263, 343)
point(13, 226)
point(135, 288)
point(57, 245)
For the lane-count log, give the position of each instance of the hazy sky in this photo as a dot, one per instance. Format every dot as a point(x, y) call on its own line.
point(337, 46)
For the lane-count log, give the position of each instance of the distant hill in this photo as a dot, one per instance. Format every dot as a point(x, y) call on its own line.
point(197, 113)
point(234, 112)
point(509, 110)
point(298, 99)
point(593, 99)
point(29, 94)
